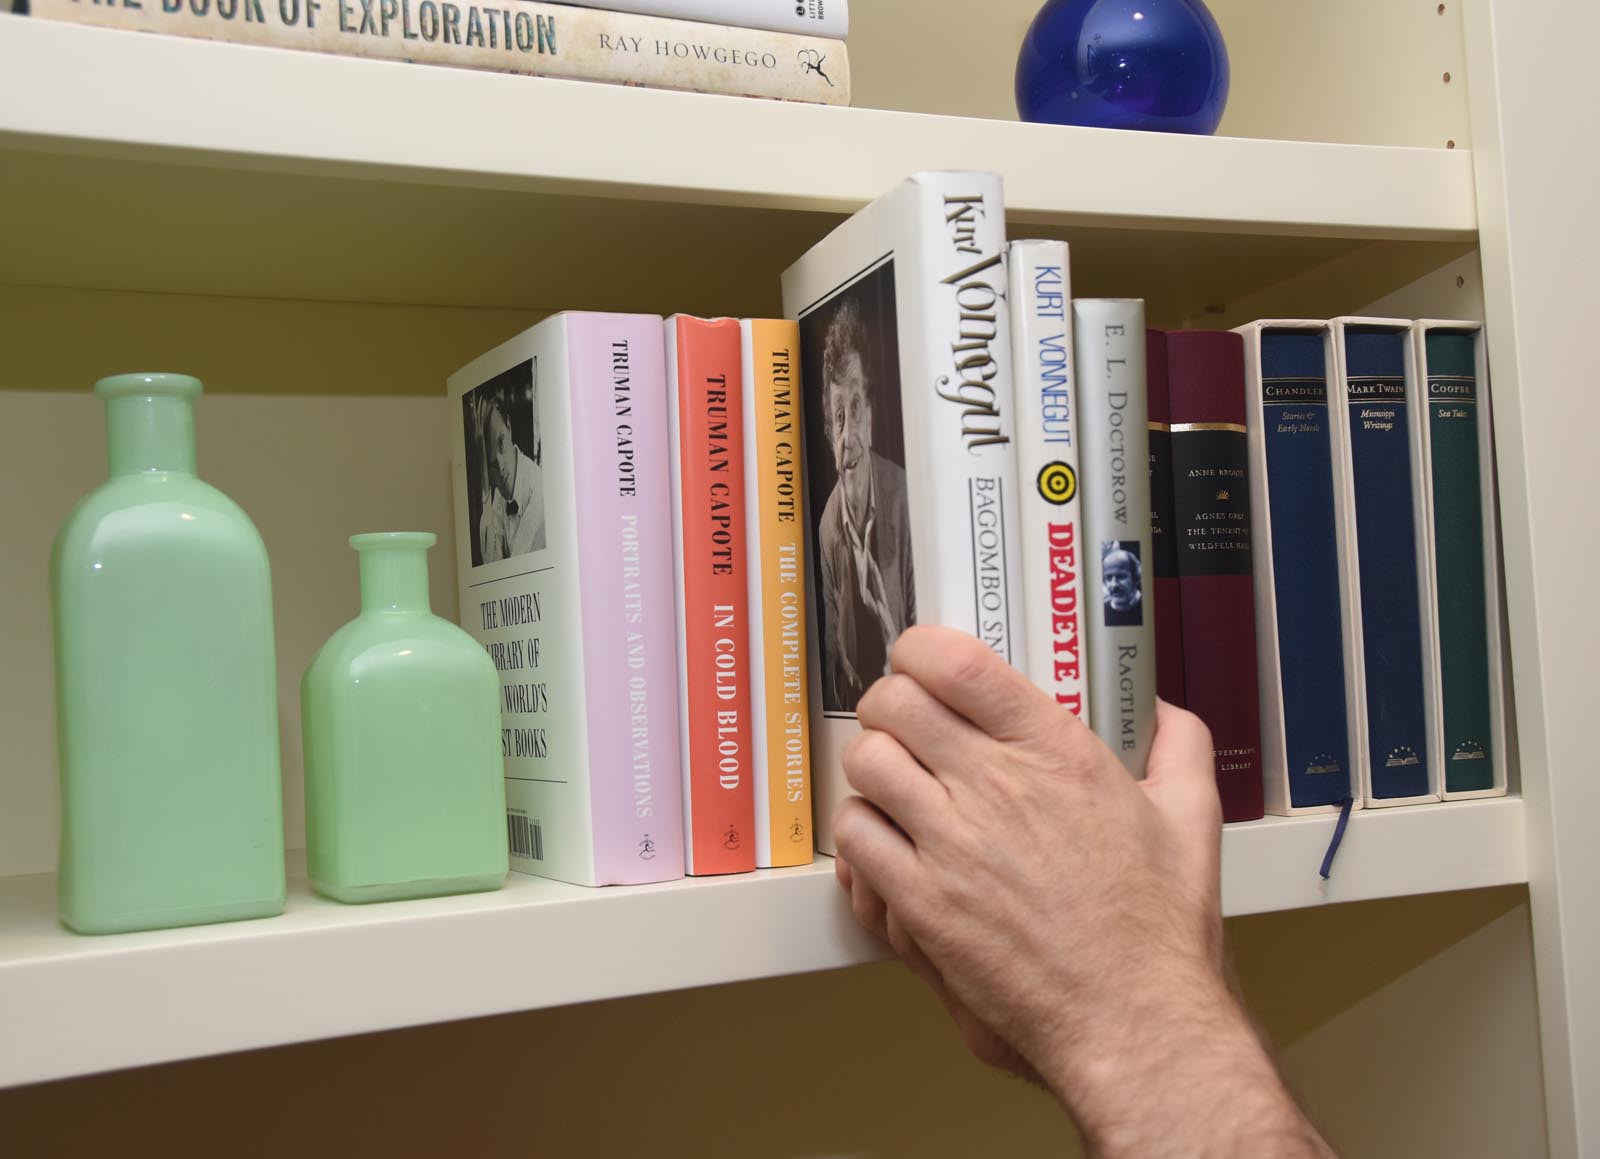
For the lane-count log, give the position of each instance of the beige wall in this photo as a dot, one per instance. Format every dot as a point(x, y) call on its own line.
point(1371, 72)
point(1407, 1025)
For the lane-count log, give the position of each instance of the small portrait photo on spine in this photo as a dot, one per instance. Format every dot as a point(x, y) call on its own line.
point(505, 472)
point(1121, 583)
point(855, 455)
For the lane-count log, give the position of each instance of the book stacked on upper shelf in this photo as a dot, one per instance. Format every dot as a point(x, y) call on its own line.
point(830, 18)
point(781, 49)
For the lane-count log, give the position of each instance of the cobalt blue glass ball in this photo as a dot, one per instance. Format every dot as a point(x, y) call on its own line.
point(1124, 64)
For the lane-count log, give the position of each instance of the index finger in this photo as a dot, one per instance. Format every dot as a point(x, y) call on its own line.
point(964, 674)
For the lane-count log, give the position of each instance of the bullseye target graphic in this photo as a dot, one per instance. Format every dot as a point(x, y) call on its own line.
point(1058, 483)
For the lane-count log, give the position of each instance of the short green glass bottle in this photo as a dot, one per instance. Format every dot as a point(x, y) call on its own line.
point(405, 788)
point(166, 693)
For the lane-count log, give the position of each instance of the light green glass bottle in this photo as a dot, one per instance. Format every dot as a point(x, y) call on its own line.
point(405, 788)
point(166, 694)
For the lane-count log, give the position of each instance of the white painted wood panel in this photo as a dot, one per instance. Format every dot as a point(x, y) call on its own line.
point(1532, 64)
point(290, 112)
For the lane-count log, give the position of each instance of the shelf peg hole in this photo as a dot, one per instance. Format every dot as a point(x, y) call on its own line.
point(1441, 10)
point(1461, 282)
point(1449, 144)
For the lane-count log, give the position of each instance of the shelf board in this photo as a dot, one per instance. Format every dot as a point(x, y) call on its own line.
point(75, 1005)
point(304, 176)
point(1414, 849)
point(292, 111)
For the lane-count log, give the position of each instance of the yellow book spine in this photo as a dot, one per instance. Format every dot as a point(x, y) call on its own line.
point(777, 571)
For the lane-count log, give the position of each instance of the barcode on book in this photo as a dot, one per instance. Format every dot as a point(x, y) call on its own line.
point(527, 836)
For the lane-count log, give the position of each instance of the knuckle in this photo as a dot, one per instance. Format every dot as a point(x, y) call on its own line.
point(888, 702)
point(849, 826)
point(903, 697)
point(913, 639)
point(867, 755)
point(968, 660)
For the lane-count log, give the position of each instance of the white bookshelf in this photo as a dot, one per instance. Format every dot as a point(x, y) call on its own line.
point(331, 116)
point(323, 969)
point(295, 227)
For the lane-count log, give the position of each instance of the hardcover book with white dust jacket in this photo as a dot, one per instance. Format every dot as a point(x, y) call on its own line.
point(905, 356)
point(564, 553)
point(1047, 471)
point(1109, 351)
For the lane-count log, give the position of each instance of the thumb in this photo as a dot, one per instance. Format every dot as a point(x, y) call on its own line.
point(1181, 781)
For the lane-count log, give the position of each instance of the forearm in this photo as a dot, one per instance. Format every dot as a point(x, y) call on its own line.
point(1182, 1075)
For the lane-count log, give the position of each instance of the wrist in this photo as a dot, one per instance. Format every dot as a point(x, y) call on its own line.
point(1176, 1068)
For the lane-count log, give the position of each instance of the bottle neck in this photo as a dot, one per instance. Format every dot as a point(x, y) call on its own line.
point(394, 578)
point(150, 432)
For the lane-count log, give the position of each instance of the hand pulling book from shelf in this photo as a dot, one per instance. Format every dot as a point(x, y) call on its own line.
point(905, 356)
point(1109, 347)
point(780, 728)
point(1462, 525)
point(1047, 470)
point(709, 558)
point(817, 17)
point(514, 36)
point(564, 552)
point(1212, 539)
point(1381, 439)
point(1303, 624)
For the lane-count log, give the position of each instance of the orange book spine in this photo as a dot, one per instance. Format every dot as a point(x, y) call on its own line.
point(709, 536)
point(775, 484)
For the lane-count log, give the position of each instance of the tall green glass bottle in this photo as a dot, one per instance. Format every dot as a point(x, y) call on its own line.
point(405, 783)
point(166, 695)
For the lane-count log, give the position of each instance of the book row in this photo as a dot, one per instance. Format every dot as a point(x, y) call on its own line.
point(1326, 577)
point(948, 436)
point(629, 511)
point(778, 49)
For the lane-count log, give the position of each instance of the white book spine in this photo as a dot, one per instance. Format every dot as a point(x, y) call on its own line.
point(1108, 340)
point(816, 17)
point(911, 450)
point(960, 425)
point(1051, 529)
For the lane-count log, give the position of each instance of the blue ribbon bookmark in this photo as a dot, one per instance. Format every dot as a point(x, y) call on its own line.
point(1338, 836)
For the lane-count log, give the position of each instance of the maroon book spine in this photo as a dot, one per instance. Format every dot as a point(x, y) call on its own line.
point(1163, 547)
point(1211, 527)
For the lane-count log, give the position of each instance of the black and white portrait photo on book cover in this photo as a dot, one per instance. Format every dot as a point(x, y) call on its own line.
point(1122, 583)
point(505, 472)
point(855, 452)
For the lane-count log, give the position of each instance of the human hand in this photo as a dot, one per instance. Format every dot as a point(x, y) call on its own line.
point(1062, 910)
point(874, 916)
